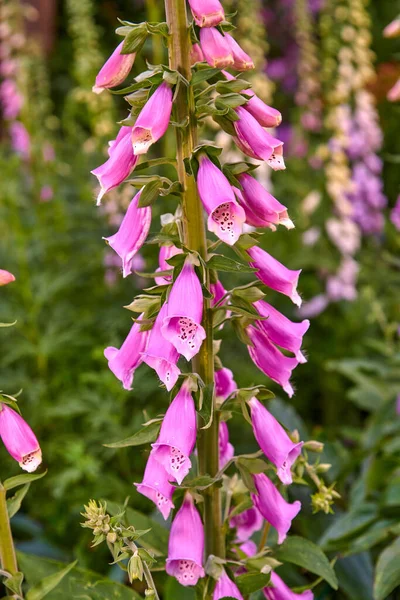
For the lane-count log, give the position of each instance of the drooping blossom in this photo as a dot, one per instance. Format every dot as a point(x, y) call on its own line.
point(124, 362)
point(270, 360)
point(249, 548)
point(225, 384)
point(241, 60)
point(166, 252)
point(153, 119)
point(280, 330)
point(393, 94)
point(226, 450)
point(160, 354)
point(20, 139)
point(280, 591)
point(6, 277)
point(274, 441)
point(207, 13)
point(177, 435)
point(275, 275)
point(186, 545)
point(392, 30)
point(273, 506)
point(196, 54)
point(115, 70)
point(215, 48)
point(225, 216)
point(226, 588)
point(218, 291)
point(156, 487)
point(182, 325)
point(132, 233)
point(19, 439)
point(119, 166)
point(247, 523)
point(395, 214)
point(267, 116)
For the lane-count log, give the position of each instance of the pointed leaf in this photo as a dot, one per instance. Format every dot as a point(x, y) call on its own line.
point(146, 435)
point(252, 582)
point(44, 587)
point(14, 503)
point(13, 482)
point(387, 572)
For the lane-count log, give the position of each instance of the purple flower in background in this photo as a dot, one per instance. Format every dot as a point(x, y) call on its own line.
point(46, 193)
point(275, 275)
point(166, 252)
point(225, 384)
point(115, 70)
point(156, 487)
point(241, 60)
point(10, 99)
point(20, 139)
point(19, 439)
point(124, 362)
point(207, 13)
point(226, 450)
point(215, 48)
point(247, 523)
point(395, 214)
point(153, 119)
point(280, 591)
point(226, 588)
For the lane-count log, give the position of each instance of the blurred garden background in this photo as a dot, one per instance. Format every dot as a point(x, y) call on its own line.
point(328, 68)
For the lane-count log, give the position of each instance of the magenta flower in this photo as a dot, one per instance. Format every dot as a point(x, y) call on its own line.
point(247, 523)
point(153, 119)
point(257, 143)
point(262, 204)
point(280, 591)
point(186, 545)
point(274, 441)
point(249, 548)
point(124, 362)
point(280, 330)
point(226, 588)
point(267, 116)
point(196, 54)
point(160, 354)
point(218, 291)
point(182, 326)
point(393, 94)
point(20, 139)
point(19, 439)
point(6, 277)
point(270, 360)
point(242, 61)
point(177, 436)
point(275, 275)
point(273, 506)
point(207, 13)
point(215, 48)
point(119, 166)
point(225, 385)
point(132, 233)
point(225, 216)
point(115, 70)
point(166, 252)
point(392, 30)
point(226, 450)
point(156, 487)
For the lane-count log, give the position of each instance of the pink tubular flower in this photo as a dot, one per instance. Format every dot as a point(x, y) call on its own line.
point(257, 143)
point(270, 360)
point(226, 450)
point(182, 325)
point(249, 548)
point(132, 233)
point(186, 545)
point(274, 441)
point(177, 436)
point(166, 252)
point(226, 588)
point(393, 29)
point(124, 362)
point(6, 277)
point(218, 291)
point(241, 60)
point(19, 439)
point(280, 330)
point(215, 48)
point(153, 119)
point(207, 13)
point(247, 523)
point(280, 591)
point(115, 70)
point(225, 385)
point(156, 487)
point(225, 216)
point(160, 354)
point(265, 115)
point(196, 54)
point(393, 94)
point(274, 274)
point(261, 203)
point(273, 506)
point(119, 166)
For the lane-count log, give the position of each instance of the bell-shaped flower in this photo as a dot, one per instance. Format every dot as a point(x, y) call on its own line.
point(263, 204)
point(182, 325)
point(273, 506)
point(160, 354)
point(207, 13)
point(226, 450)
point(156, 487)
point(166, 252)
point(270, 360)
point(153, 119)
point(226, 588)
point(225, 216)
point(186, 545)
point(119, 166)
point(215, 48)
point(19, 439)
point(280, 591)
point(241, 60)
point(131, 234)
point(115, 70)
point(225, 385)
point(177, 435)
point(196, 54)
point(249, 548)
point(257, 143)
point(267, 116)
point(247, 523)
point(124, 362)
point(281, 330)
point(274, 441)
point(6, 277)
point(274, 274)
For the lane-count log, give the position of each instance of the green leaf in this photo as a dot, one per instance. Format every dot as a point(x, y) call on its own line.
point(306, 554)
point(250, 294)
point(235, 85)
point(241, 507)
point(14, 583)
point(149, 193)
point(13, 482)
point(228, 265)
point(203, 75)
point(205, 409)
point(230, 101)
point(202, 482)
point(252, 582)
point(41, 589)
point(146, 435)
point(348, 525)
point(225, 124)
point(387, 572)
point(156, 540)
point(14, 503)
point(246, 477)
point(134, 40)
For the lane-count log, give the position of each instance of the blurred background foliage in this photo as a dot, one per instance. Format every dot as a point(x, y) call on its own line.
point(69, 293)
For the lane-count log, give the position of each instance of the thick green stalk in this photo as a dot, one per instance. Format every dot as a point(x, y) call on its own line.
point(195, 238)
point(8, 558)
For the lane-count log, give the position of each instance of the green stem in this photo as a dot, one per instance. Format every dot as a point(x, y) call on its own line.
point(8, 558)
point(195, 238)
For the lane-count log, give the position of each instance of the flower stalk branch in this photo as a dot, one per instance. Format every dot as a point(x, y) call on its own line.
point(8, 557)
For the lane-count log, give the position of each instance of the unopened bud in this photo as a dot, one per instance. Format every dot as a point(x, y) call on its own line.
point(149, 593)
point(135, 568)
point(111, 537)
point(295, 436)
point(314, 446)
point(323, 468)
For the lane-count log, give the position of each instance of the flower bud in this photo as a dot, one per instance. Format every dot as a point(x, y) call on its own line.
point(6, 277)
point(19, 439)
point(135, 568)
point(314, 446)
point(115, 70)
